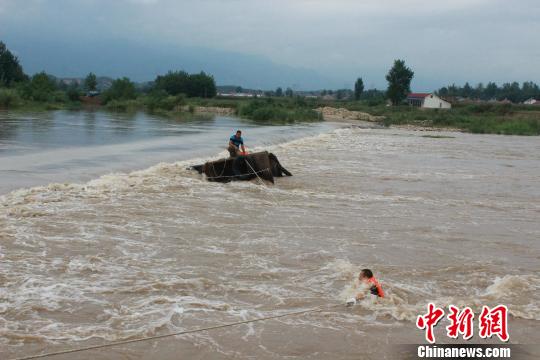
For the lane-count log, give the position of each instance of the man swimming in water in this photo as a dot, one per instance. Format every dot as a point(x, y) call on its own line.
point(236, 143)
point(375, 288)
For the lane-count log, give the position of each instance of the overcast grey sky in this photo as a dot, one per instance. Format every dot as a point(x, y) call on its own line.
point(442, 41)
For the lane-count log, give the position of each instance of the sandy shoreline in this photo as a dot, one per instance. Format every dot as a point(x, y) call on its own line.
point(425, 128)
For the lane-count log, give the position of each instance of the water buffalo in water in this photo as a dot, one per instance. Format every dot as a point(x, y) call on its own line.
point(244, 167)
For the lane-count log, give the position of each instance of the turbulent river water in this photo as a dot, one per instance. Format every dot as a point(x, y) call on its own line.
point(451, 220)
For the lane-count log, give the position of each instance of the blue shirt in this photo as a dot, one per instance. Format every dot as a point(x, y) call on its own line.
point(237, 141)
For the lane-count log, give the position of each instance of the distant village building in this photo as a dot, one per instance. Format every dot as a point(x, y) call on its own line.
point(329, 97)
point(496, 101)
point(428, 101)
point(531, 101)
point(71, 81)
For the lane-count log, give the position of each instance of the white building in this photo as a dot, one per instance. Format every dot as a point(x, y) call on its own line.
point(532, 101)
point(428, 101)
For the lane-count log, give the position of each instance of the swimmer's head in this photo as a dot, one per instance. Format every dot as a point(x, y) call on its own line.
point(365, 274)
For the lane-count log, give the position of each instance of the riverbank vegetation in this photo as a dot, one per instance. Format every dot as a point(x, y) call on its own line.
point(178, 91)
point(485, 118)
point(508, 119)
point(278, 111)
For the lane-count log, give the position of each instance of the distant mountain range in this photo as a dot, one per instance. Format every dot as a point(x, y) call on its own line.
point(143, 62)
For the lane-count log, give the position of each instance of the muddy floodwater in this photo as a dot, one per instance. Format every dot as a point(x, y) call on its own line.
point(449, 220)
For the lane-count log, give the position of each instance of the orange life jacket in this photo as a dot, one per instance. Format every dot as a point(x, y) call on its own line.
point(375, 287)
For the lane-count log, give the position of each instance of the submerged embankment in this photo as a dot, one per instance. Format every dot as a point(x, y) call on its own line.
point(77, 146)
point(450, 220)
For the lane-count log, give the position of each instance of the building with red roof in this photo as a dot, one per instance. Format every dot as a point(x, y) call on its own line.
point(427, 101)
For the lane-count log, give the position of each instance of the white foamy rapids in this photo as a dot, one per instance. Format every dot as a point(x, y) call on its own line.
point(162, 249)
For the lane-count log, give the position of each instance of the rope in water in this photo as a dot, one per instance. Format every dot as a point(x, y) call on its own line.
point(233, 176)
point(179, 333)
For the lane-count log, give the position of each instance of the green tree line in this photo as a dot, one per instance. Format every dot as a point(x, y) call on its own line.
point(191, 85)
point(16, 87)
point(512, 91)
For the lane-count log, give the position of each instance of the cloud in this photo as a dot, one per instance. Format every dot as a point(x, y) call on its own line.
point(144, 2)
point(444, 41)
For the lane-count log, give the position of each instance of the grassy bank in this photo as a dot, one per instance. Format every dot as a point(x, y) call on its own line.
point(270, 110)
point(486, 118)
